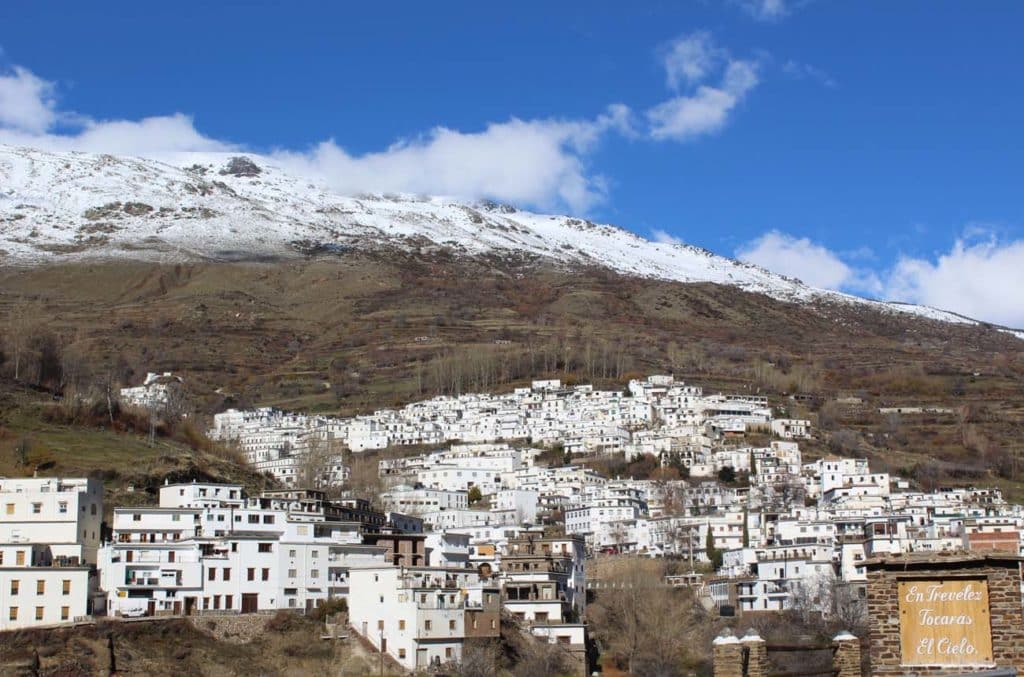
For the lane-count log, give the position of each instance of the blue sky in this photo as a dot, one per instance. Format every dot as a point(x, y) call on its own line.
point(867, 146)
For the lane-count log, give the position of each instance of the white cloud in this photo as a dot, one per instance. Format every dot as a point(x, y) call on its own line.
point(805, 71)
point(765, 10)
point(801, 258)
point(537, 162)
point(29, 116)
point(664, 237)
point(533, 162)
point(156, 137)
point(982, 280)
point(26, 102)
point(977, 279)
point(707, 109)
point(690, 58)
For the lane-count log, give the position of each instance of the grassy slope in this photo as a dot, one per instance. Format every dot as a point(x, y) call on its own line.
point(121, 459)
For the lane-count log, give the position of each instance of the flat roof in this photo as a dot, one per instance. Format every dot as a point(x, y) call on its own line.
point(946, 561)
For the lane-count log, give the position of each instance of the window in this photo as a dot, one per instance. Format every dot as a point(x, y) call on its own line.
point(19, 558)
point(265, 547)
point(268, 519)
point(250, 574)
point(451, 624)
point(291, 573)
point(380, 625)
point(211, 574)
point(13, 614)
point(448, 652)
point(37, 508)
point(15, 585)
point(65, 612)
point(175, 517)
point(66, 587)
point(10, 508)
point(401, 653)
point(40, 587)
point(266, 574)
point(136, 517)
point(216, 601)
point(316, 553)
point(315, 573)
point(227, 601)
point(401, 624)
point(227, 574)
point(426, 625)
point(291, 553)
point(254, 519)
point(62, 507)
point(39, 613)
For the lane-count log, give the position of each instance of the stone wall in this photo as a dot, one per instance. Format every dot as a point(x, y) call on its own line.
point(1003, 574)
point(234, 628)
point(748, 656)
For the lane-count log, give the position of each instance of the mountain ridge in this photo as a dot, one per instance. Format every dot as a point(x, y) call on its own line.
point(71, 206)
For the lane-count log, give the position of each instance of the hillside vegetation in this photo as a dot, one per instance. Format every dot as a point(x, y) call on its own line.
point(36, 437)
point(354, 332)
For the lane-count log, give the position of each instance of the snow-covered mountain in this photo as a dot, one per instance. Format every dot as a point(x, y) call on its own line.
point(74, 206)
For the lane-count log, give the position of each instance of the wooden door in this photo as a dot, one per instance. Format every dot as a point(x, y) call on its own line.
point(250, 602)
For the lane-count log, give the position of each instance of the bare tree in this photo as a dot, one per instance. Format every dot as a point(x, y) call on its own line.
point(543, 658)
point(789, 492)
point(314, 467)
point(644, 626)
point(478, 660)
point(21, 451)
point(826, 603)
point(21, 321)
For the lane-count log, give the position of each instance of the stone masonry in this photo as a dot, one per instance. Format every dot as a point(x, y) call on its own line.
point(233, 628)
point(757, 654)
point(727, 654)
point(846, 660)
point(1001, 571)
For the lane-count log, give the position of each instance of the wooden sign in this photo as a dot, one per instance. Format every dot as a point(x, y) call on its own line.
point(945, 622)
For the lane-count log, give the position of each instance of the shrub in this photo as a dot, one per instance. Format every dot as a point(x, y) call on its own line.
point(332, 606)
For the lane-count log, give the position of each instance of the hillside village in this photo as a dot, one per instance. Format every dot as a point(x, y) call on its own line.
point(500, 521)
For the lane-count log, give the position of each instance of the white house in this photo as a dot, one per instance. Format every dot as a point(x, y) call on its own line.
point(421, 616)
point(49, 533)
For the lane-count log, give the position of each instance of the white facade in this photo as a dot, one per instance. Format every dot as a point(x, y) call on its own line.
point(421, 615)
point(209, 547)
point(49, 533)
